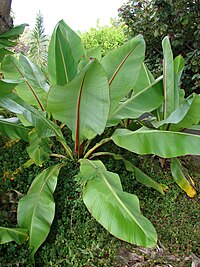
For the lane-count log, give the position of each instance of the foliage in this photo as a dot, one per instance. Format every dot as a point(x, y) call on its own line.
point(178, 19)
point(106, 37)
point(88, 95)
point(167, 122)
point(34, 43)
point(76, 238)
point(9, 39)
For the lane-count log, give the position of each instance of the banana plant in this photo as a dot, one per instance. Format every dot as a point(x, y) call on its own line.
point(163, 132)
point(87, 95)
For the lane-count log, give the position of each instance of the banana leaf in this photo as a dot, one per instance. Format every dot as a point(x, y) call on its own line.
point(145, 100)
point(82, 104)
point(144, 80)
point(45, 128)
point(186, 115)
point(114, 209)
point(12, 129)
point(6, 43)
point(3, 53)
point(183, 180)
point(178, 69)
point(18, 235)
point(34, 88)
point(91, 54)
point(6, 86)
point(139, 175)
point(168, 79)
point(165, 144)
point(123, 66)
point(65, 52)
point(36, 210)
point(39, 149)
point(14, 32)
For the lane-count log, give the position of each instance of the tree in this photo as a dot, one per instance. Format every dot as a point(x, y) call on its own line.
point(177, 19)
point(6, 21)
point(39, 43)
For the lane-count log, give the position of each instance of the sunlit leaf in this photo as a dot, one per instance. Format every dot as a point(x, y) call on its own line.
point(165, 144)
point(123, 66)
point(83, 104)
point(116, 210)
point(65, 52)
point(36, 210)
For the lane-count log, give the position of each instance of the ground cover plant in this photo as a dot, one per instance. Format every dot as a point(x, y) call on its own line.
point(75, 239)
point(89, 95)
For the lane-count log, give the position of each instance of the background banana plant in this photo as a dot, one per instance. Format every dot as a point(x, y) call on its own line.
point(163, 131)
point(88, 94)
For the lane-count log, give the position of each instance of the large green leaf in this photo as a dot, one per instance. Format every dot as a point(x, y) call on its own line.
point(144, 80)
point(184, 116)
point(117, 211)
point(145, 100)
point(123, 67)
point(178, 69)
point(139, 175)
point(182, 179)
point(39, 149)
point(34, 88)
point(14, 32)
point(36, 210)
point(8, 39)
point(82, 104)
point(18, 235)
point(168, 79)
point(3, 53)
point(165, 144)
point(4, 42)
point(13, 129)
point(65, 51)
point(6, 86)
point(45, 127)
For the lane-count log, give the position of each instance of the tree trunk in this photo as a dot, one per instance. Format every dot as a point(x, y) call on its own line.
point(6, 21)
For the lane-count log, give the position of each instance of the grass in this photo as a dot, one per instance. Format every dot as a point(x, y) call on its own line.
point(76, 239)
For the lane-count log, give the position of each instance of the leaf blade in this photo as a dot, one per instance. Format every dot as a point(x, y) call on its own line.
point(13, 129)
point(116, 210)
point(146, 141)
point(184, 183)
point(65, 51)
point(18, 235)
point(123, 67)
point(82, 104)
point(36, 210)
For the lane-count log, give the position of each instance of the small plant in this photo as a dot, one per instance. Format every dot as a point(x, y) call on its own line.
point(87, 96)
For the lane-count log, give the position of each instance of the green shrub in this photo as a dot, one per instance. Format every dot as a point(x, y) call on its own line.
point(178, 19)
point(106, 37)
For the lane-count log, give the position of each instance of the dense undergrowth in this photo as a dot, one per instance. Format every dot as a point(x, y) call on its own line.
point(76, 239)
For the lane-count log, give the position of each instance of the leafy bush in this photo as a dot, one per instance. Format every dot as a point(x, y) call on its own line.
point(178, 19)
point(106, 37)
